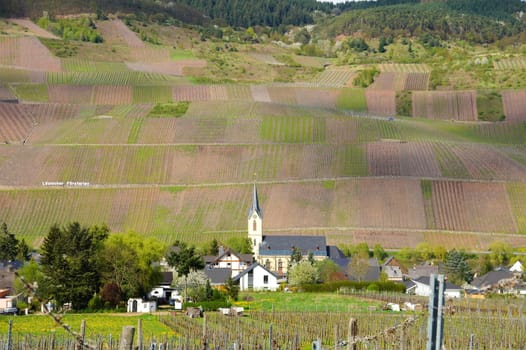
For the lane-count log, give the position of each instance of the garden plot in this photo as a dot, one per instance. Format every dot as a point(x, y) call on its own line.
point(385, 238)
point(33, 28)
point(282, 94)
point(16, 122)
point(485, 163)
point(510, 63)
point(334, 78)
point(27, 53)
point(514, 105)
point(165, 67)
point(466, 206)
point(239, 92)
point(191, 93)
point(418, 159)
point(389, 81)
point(404, 68)
point(341, 130)
point(381, 102)
point(447, 105)
point(220, 109)
point(34, 212)
point(260, 93)
point(116, 32)
point(112, 95)
point(379, 203)
point(383, 158)
point(416, 81)
point(317, 97)
point(76, 94)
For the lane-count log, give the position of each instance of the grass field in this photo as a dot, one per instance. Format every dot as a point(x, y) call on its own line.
point(97, 324)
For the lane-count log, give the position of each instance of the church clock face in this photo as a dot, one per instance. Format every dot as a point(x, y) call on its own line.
point(254, 216)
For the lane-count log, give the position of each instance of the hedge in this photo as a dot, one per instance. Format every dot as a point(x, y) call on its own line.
point(388, 286)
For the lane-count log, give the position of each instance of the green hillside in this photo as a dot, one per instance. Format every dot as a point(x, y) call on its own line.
point(384, 132)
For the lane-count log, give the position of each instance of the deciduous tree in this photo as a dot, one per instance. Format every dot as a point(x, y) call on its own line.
point(185, 259)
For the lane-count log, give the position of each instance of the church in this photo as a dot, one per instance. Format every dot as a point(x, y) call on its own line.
point(274, 251)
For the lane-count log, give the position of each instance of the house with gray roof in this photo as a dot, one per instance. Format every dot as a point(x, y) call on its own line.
point(423, 288)
point(499, 281)
point(218, 276)
point(227, 258)
point(257, 277)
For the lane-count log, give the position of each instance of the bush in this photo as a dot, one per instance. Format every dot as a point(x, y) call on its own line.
point(378, 286)
point(366, 77)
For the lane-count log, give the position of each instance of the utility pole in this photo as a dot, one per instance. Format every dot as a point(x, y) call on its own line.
point(435, 325)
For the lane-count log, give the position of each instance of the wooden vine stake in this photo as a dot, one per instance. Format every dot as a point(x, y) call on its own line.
point(353, 333)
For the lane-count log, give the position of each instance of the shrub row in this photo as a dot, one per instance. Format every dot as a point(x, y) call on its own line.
point(377, 286)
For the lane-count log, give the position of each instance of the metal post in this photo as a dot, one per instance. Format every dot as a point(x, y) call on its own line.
point(435, 325)
point(9, 344)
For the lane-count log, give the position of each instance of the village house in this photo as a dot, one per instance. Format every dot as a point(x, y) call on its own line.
point(229, 259)
point(423, 288)
point(139, 305)
point(257, 278)
point(500, 281)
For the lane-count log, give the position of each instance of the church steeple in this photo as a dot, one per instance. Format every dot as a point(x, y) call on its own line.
point(255, 208)
point(255, 222)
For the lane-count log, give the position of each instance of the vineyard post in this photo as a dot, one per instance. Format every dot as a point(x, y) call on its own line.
point(80, 344)
point(335, 337)
point(126, 341)
point(9, 336)
point(471, 341)
point(139, 334)
point(353, 333)
point(270, 337)
point(435, 325)
point(204, 333)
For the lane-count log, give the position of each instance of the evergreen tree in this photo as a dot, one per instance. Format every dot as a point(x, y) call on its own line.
point(8, 244)
point(295, 256)
point(232, 290)
point(457, 268)
point(70, 263)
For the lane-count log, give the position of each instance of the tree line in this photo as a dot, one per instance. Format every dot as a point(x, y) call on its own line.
point(92, 269)
point(442, 20)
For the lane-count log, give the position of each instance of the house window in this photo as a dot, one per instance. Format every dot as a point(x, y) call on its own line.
point(267, 264)
point(254, 225)
point(265, 279)
point(280, 264)
point(254, 242)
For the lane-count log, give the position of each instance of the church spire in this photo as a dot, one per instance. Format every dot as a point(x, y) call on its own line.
point(255, 208)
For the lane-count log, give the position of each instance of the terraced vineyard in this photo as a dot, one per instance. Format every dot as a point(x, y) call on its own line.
point(331, 159)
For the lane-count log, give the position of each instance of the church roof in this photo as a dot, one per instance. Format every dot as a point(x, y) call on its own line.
point(255, 208)
point(283, 245)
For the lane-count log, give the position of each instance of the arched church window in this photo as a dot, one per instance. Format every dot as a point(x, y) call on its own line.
point(254, 225)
